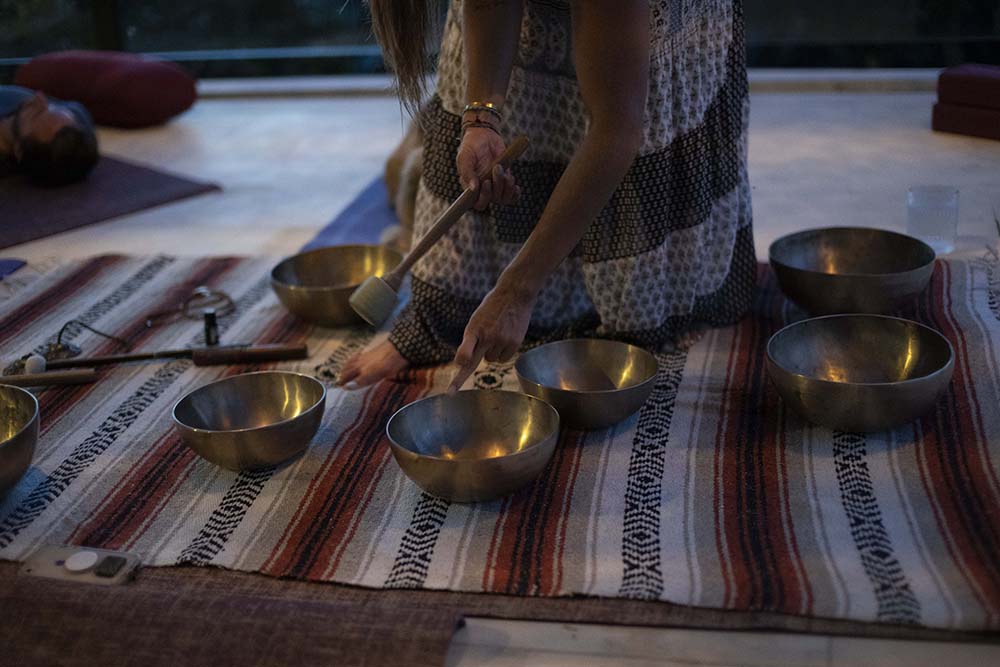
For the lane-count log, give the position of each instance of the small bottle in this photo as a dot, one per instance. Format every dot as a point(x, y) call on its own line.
point(211, 327)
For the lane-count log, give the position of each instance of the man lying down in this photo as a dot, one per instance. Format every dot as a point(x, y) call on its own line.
point(49, 141)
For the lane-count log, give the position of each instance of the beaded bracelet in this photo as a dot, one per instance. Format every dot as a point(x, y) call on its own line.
point(478, 123)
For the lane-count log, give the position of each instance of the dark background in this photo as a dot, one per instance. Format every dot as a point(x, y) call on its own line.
point(281, 37)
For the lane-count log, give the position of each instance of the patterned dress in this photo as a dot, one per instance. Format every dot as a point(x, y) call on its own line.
point(672, 249)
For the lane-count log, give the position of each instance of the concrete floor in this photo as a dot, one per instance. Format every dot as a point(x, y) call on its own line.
point(287, 166)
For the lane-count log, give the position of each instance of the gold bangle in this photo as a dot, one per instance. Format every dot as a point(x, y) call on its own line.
point(488, 107)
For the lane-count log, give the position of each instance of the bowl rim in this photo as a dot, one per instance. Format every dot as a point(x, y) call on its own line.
point(194, 429)
point(886, 274)
point(327, 288)
point(526, 450)
point(944, 368)
point(27, 424)
point(587, 392)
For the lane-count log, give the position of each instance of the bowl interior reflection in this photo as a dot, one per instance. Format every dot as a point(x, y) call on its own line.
point(249, 401)
point(860, 349)
point(587, 365)
point(473, 425)
point(335, 267)
point(17, 409)
point(851, 250)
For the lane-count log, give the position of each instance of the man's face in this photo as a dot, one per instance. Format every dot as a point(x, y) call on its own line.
point(40, 120)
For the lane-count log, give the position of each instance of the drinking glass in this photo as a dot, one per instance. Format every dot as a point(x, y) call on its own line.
point(932, 216)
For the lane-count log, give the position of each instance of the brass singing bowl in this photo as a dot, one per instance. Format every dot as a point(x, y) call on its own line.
point(851, 269)
point(316, 285)
point(18, 434)
point(251, 421)
point(473, 445)
point(593, 383)
point(860, 372)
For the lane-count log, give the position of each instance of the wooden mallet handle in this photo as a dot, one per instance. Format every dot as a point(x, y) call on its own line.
point(448, 219)
point(51, 378)
point(250, 354)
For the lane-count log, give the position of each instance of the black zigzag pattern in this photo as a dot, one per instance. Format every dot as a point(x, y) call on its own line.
point(643, 575)
point(356, 341)
point(896, 601)
point(417, 547)
point(989, 265)
point(226, 517)
point(146, 273)
point(108, 432)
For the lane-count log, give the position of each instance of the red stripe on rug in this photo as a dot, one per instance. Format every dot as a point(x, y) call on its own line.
point(139, 496)
point(528, 525)
point(565, 511)
point(955, 481)
point(722, 496)
point(764, 566)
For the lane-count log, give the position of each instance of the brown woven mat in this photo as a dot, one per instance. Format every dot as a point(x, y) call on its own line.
point(206, 616)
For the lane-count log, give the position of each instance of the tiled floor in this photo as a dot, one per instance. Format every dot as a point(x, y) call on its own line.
point(288, 165)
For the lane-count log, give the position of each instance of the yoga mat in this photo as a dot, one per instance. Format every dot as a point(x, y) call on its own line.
point(115, 187)
point(9, 266)
point(361, 221)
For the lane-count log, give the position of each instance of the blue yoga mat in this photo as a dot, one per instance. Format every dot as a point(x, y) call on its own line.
point(9, 266)
point(362, 221)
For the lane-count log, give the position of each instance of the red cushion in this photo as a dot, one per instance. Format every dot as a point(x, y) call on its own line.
point(119, 89)
point(970, 85)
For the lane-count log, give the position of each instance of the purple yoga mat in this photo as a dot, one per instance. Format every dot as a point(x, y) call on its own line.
point(114, 188)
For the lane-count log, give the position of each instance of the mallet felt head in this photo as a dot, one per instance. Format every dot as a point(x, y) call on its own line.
point(374, 300)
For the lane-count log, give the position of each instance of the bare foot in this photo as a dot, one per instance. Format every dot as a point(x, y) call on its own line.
point(369, 366)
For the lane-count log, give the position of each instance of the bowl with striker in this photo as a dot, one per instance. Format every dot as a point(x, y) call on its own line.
point(316, 285)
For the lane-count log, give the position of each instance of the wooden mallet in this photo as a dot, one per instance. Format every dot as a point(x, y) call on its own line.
point(375, 299)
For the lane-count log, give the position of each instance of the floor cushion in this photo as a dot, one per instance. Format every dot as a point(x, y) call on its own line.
point(119, 89)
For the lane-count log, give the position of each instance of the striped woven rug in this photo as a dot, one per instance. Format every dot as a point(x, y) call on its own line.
point(714, 495)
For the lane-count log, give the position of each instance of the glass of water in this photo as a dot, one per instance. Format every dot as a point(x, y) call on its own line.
point(932, 216)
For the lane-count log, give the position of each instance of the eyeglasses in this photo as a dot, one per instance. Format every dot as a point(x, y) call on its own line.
point(194, 306)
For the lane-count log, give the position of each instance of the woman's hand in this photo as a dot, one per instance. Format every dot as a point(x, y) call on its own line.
point(495, 330)
point(479, 149)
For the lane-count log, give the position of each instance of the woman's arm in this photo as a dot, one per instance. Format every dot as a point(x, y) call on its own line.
point(611, 43)
point(611, 40)
point(491, 29)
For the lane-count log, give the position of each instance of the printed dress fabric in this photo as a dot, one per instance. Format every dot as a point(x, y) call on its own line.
point(674, 245)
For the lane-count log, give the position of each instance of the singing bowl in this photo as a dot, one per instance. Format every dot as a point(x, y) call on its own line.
point(18, 434)
point(851, 269)
point(473, 445)
point(316, 285)
point(251, 421)
point(592, 383)
point(860, 372)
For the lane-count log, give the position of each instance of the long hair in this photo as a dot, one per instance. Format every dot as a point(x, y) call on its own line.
point(403, 28)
